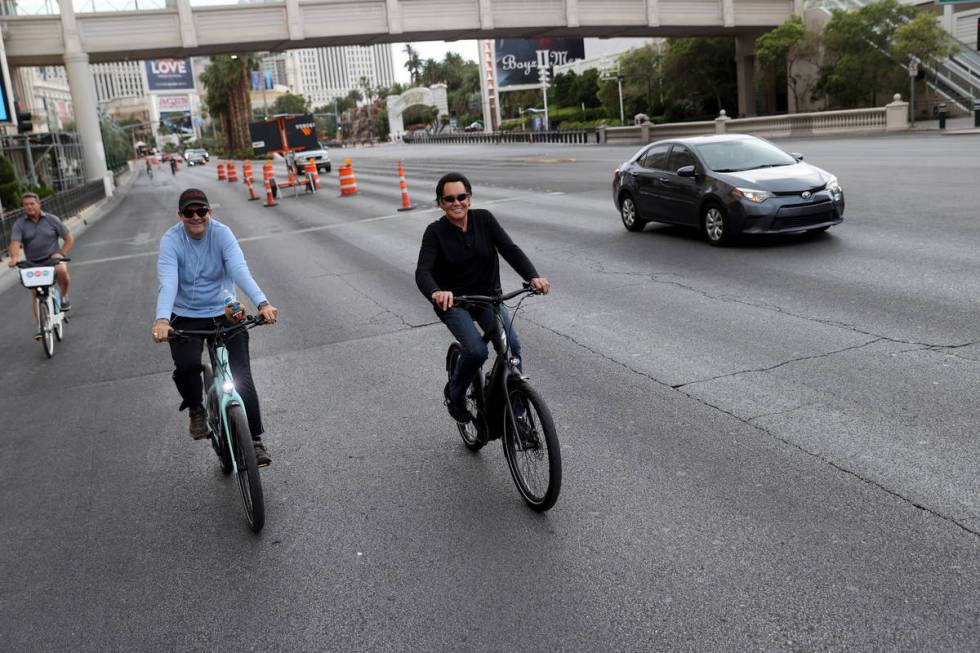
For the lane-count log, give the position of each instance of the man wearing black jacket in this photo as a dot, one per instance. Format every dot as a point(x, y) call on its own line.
point(459, 257)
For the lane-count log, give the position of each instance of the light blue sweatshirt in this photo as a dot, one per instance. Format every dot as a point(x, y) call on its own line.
point(195, 273)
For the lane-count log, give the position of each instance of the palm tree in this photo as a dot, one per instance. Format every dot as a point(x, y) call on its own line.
point(226, 81)
point(414, 63)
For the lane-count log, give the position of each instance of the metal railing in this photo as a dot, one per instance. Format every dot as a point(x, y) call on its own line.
point(569, 136)
point(65, 204)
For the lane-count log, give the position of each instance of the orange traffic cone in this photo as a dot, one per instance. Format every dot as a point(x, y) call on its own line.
point(348, 182)
point(232, 173)
point(221, 171)
point(270, 200)
point(406, 202)
point(309, 169)
point(247, 172)
point(251, 191)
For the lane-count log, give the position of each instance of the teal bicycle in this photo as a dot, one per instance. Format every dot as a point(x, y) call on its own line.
point(230, 436)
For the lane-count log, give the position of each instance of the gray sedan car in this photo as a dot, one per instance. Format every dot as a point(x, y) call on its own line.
point(726, 185)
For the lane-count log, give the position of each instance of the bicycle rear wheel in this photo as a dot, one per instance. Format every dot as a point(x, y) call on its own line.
point(531, 447)
point(47, 332)
point(218, 440)
point(248, 471)
point(473, 433)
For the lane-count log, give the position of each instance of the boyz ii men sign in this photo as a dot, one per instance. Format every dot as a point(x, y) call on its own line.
point(518, 60)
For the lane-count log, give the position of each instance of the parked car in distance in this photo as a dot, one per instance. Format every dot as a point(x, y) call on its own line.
point(726, 185)
point(196, 157)
point(320, 157)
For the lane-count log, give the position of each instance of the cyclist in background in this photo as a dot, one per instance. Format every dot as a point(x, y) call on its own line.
point(459, 257)
point(199, 260)
point(42, 236)
point(173, 166)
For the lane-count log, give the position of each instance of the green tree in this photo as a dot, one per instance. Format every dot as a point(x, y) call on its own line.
point(923, 38)
point(290, 103)
point(782, 49)
point(697, 79)
point(413, 63)
point(226, 83)
point(10, 186)
point(859, 61)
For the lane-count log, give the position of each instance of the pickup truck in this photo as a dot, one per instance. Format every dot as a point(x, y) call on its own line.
point(320, 157)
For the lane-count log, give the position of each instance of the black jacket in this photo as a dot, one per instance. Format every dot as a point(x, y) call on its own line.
point(466, 263)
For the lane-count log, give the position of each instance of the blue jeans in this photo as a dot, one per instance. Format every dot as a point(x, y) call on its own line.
point(460, 322)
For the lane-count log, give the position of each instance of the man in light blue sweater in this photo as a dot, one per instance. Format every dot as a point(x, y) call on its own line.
point(199, 260)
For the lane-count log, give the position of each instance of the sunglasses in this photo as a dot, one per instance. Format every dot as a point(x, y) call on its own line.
point(449, 199)
point(201, 212)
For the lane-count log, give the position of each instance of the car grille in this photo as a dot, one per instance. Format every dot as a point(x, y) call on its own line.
point(791, 222)
point(797, 193)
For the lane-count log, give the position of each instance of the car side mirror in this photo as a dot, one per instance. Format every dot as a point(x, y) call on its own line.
point(796, 155)
point(687, 171)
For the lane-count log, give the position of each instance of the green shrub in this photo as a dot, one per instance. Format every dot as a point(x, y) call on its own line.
point(10, 186)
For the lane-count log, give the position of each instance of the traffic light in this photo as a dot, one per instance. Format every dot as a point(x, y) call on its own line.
point(544, 75)
point(24, 124)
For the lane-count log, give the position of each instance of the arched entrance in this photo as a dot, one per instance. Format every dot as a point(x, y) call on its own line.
point(433, 96)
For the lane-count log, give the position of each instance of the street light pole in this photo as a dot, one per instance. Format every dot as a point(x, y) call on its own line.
point(622, 115)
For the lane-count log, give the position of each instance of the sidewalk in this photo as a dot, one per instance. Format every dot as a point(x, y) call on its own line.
point(77, 223)
point(954, 126)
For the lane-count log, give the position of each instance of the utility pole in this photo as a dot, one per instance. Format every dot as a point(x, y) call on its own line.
point(543, 78)
point(913, 72)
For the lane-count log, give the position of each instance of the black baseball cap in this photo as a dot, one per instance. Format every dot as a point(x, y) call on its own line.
point(192, 197)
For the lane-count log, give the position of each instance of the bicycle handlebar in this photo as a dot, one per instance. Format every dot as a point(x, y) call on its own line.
point(42, 264)
point(459, 300)
point(248, 323)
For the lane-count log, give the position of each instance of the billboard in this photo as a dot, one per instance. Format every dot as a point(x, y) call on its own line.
point(518, 60)
point(176, 122)
point(173, 103)
point(261, 80)
point(169, 74)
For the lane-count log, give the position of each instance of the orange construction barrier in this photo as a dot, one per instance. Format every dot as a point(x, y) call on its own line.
point(316, 176)
point(406, 202)
point(247, 172)
point(232, 173)
point(292, 177)
point(312, 183)
point(270, 199)
point(348, 182)
point(221, 171)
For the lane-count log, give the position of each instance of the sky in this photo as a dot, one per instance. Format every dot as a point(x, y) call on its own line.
point(431, 50)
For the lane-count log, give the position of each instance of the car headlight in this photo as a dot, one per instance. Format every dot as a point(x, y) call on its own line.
point(751, 194)
point(832, 185)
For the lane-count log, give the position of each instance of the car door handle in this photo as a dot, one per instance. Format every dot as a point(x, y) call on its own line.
point(633, 174)
point(665, 180)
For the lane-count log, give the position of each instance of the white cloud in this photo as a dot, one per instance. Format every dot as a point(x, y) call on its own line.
point(431, 50)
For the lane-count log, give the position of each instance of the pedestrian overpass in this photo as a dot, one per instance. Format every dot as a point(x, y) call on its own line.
point(75, 38)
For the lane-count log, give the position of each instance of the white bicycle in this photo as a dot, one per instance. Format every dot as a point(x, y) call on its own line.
point(51, 320)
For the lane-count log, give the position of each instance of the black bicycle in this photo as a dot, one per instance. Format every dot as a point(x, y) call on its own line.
point(506, 407)
point(230, 436)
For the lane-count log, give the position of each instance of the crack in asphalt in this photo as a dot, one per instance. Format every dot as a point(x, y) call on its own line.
point(658, 277)
point(748, 422)
point(777, 365)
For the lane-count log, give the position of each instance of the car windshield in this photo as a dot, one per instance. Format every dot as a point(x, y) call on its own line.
point(743, 154)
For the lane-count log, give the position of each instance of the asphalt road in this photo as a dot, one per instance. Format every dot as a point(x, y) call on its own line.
point(766, 447)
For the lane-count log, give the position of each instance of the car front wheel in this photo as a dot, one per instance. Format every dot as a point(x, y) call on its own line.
point(715, 223)
point(627, 211)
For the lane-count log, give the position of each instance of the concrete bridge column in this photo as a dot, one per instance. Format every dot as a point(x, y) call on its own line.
point(745, 70)
point(83, 100)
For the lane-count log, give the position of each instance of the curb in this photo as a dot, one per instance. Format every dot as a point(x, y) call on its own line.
point(78, 224)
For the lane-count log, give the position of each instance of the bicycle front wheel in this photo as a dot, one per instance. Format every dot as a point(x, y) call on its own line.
point(47, 332)
point(531, 447)
point(218, 440)
point(248, 471)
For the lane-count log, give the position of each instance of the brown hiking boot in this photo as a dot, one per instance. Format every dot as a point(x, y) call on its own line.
point(262, 458)
point(199, 423)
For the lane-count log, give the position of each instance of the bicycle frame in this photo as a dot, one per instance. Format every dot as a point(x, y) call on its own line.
point(225, 392)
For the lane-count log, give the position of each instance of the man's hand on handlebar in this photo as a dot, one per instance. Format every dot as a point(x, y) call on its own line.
point(540, 285)
point(443, 299)
point(161, 330)
point(268, 313)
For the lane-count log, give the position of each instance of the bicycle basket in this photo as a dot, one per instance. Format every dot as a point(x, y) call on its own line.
point(37, 277)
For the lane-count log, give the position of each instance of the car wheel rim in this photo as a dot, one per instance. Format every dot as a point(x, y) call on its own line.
point(714, 224)
point(629, 213)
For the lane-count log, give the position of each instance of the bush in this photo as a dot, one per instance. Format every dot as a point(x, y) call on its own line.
point(10, 186)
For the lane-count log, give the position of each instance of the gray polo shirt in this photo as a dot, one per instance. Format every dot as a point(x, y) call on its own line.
point(40, 240)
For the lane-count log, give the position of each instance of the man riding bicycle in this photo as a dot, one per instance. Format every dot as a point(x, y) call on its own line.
point(199, 260)
point(459, 257)
point(38, 234)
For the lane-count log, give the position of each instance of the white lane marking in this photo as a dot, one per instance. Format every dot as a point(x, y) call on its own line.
point(281, 234)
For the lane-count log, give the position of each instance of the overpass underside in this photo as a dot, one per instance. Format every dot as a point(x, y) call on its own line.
point(201, 30)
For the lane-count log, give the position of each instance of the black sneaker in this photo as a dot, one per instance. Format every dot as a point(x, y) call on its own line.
point(199, 423)
point(262, 458)
point(457, 410)
point(65, 304)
